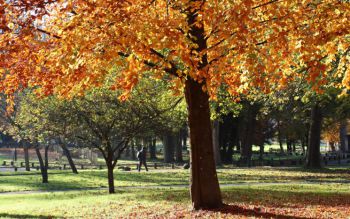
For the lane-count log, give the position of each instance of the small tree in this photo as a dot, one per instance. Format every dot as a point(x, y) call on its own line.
point(50, 117)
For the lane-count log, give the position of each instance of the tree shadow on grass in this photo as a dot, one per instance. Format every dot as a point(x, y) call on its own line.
point(341, 170)
point(23, 216)
point(270, 197)
point(256, 212)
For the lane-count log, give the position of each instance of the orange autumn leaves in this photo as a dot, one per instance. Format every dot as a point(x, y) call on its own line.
point(248, 44)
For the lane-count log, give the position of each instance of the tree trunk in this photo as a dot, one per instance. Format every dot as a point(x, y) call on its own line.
point(15, 154)
point(303, 146)
point(153, 148)
point(110, 178)
point(343, 136)
point(205, 190)
point(289, 146)
point(26, 156)
point(46, 151)
point(281, 146)
point(261, 151)
point(248, 134)
point(43, 167)
point(184, 135)
point(133, 152)
point(178, 148)
point(69, 158)
point(294, 146)
point(332, 146)
point(169, 142)
point(313, 153)
point(216, 145)
point(280, 137)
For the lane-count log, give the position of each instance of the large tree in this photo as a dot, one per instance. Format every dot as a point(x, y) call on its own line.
point(65, 46)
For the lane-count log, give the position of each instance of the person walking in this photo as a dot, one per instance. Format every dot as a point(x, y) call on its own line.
point(141, 155)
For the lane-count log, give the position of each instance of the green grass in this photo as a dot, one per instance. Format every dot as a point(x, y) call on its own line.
point(60, 180)
point(328, 198)
point(256, 201)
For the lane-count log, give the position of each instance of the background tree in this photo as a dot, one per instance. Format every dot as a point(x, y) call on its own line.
point(50, 117)
point(11, 127)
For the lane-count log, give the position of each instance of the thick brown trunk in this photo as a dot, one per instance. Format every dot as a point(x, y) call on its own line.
point(69, 158)
point(313, 153)
point(43, 167)
point(216, 143)
point(110, 179)
point(205, 190)
point(26, 157)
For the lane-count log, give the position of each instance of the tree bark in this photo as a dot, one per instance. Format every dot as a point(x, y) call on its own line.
point(153, 148)
point(15, 154)
point(294, 146)
point(261, 151)
point(303, 146)
point(289, 146)
point(26, 157)
point(280, 137)
point(69, 158)
point(216, 145)
point(43, 167)
point(344, 144)
point(110, 178)
point(133, 152)
point(313, 153)
point(248, 127)
point(169, 142)
point(184, 135)
point(178, 148)
point(205, 190)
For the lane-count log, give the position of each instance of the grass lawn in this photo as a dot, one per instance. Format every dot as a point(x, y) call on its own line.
point(283, 201)
point(60, 180)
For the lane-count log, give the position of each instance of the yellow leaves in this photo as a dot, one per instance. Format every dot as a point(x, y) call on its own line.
point(11, 25)
point(337, 11)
